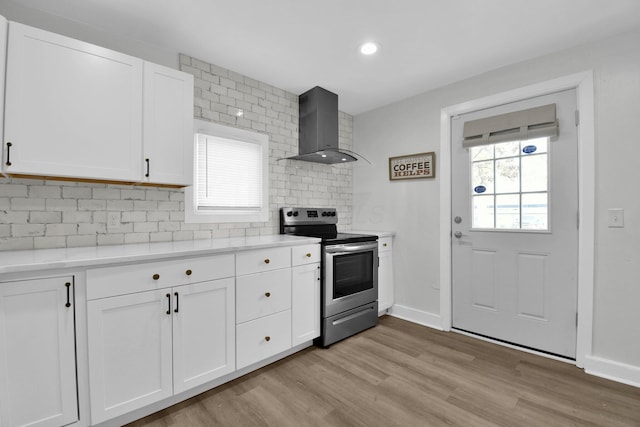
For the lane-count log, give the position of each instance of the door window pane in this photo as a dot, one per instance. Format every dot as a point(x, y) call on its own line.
point(482, 152)
point(482, 177)
point(508, 175)
point(508, 211)
point(534, 173)
point(535, 211)
point(507, 149)
point(483, 212)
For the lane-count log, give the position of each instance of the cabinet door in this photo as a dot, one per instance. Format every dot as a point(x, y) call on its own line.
point(203, 333)
point(168, 125)
point(37, 353)
point(305, 306)
point(129, 352)
point(3, 62)
point(71, 109)
point(385, 280)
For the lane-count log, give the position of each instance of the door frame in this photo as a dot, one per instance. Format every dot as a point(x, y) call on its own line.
point(583, 83)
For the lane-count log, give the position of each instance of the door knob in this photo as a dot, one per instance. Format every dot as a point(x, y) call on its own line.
point(457, 220)
point(458, 234)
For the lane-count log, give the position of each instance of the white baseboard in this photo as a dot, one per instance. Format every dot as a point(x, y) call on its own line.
point(416, 316)
point(612, 370)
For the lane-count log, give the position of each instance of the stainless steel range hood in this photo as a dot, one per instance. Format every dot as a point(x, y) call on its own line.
point(318, 129)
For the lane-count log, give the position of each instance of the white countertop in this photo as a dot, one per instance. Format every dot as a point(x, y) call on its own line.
point(376, 233)
point(44, 259)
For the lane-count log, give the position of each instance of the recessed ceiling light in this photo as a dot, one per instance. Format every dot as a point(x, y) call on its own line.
point(368, 48)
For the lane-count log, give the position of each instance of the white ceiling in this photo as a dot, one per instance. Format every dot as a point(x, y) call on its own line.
point(298, 44)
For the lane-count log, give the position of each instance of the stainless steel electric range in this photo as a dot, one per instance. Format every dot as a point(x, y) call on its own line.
point(349, 272)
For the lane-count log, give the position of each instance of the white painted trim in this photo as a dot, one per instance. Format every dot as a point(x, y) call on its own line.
point(611, 370)
point(420, 317)
point(583, 83)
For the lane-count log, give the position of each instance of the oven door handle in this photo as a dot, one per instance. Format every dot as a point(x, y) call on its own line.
point(350, 248)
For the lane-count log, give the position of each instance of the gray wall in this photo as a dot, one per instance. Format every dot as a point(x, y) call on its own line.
point(411, 208)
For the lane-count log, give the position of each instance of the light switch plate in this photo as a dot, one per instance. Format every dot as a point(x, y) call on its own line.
point(616, 218)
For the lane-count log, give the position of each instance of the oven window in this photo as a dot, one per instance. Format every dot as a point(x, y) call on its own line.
point(352, 273)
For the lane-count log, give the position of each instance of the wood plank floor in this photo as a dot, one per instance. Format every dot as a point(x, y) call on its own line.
point(402, 374)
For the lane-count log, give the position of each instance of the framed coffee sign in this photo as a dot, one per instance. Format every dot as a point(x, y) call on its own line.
point(412, 166)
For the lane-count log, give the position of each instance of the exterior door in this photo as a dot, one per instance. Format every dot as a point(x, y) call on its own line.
point(515, 233)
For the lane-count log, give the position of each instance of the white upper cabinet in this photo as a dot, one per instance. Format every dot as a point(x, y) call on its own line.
point(168, 126)
point(72, 109)
point(3, 62)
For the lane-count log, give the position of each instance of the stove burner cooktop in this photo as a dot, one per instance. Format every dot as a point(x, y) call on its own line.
point(318, 222)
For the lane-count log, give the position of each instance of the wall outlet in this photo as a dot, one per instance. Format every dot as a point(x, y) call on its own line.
point(616, 218)
point(113, 220)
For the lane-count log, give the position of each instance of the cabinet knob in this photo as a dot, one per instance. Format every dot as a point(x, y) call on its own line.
point(188, 272)
point(308, 255)
point(156, 276)
point(267, 261)
point(384, 244)
point(267, 338)
point(267, 294)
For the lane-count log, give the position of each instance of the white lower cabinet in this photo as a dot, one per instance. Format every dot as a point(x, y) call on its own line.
point(147, 346)
point(385, 274)
point(37, 353)
point(305, 306)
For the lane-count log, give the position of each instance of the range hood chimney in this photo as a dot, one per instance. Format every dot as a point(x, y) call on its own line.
point(318, 128)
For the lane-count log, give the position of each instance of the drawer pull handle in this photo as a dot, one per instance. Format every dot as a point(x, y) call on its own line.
point(267, 338)
point(68, 285)
point(308, 255)
point(8, 162)
point(156, 276)
point(266, 261)
point(148, 168)
point(188, 272)
point(267, 294)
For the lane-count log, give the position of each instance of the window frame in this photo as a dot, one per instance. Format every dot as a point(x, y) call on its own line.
point(519, 156)
point(192, 214)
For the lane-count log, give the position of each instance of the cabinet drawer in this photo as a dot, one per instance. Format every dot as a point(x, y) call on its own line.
point(262, 338)
point(262, 294)
point(306, 254)
point(385, 244)
point(262, 260)
point(127, 279)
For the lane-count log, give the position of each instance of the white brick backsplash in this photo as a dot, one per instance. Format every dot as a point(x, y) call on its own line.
point(26, 230)
point(62, 229)
point(13, 190)
point(61, 204)
point(37, 213)
point(36, 217)
point(27, 204)
point(49, 242)
point(45, 192)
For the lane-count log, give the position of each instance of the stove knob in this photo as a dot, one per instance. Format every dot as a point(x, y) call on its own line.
point(324, 214)
point(333, 214)
point(289, 213)
point(295, 213)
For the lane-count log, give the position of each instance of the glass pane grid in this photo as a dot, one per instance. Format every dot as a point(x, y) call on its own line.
point(510, 185)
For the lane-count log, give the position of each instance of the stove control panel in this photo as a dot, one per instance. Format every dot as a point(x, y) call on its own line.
point(308, 216)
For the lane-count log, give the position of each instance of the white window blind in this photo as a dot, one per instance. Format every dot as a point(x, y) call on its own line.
point(229, 174)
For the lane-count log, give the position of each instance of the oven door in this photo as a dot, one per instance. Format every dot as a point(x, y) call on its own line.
point(350, 276)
